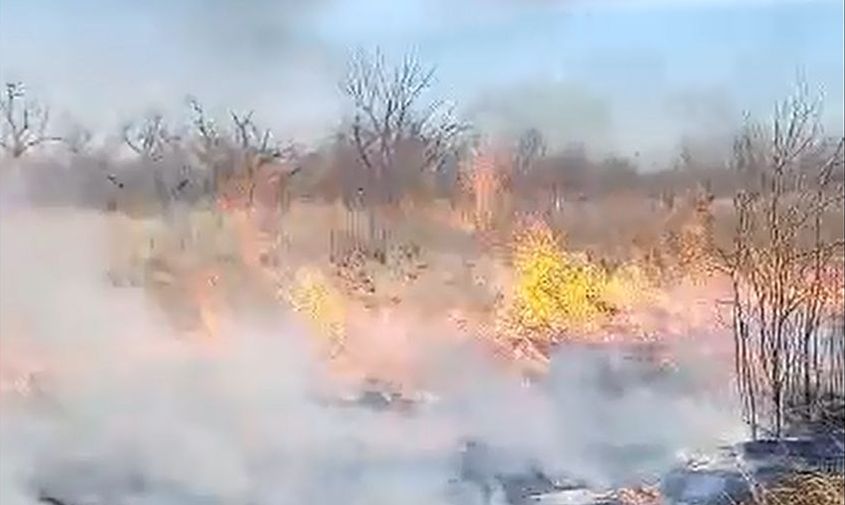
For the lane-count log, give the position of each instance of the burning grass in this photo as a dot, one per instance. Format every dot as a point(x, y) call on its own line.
point(523, 299)
point(554, 291)
point(562, 295)
point(315, 297)
point(391, 342)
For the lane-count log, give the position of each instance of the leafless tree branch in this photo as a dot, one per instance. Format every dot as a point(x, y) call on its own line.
point(782, 258)
point(23, 125)
point(392, 119)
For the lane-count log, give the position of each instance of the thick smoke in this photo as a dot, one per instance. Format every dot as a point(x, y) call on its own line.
point(123, 410)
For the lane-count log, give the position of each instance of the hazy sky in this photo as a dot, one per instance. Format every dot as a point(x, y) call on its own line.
point(625, 75)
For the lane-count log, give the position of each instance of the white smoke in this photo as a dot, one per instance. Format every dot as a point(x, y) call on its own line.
point(126, 411)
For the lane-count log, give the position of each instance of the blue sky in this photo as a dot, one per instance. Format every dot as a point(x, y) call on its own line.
point(624, 75)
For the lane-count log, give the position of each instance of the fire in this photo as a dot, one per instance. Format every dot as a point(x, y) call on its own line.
point(546, 294)
point(483, 181)
point(554, 292)
point(640, 496)
point(203, 289)
point(313, 296)
point(246, 235)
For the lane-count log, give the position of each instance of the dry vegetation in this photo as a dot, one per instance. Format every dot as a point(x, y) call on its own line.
point(806, 489)
point(405, 212)
point(786, 265)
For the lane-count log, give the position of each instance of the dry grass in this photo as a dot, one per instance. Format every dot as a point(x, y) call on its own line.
point(521, 298)
point(804, 489)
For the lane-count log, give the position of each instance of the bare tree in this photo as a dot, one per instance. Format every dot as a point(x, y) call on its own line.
point(393, 126)
point(400, 137)
point(250, 137)
point(786, 243)
point(235, 156)
point(23, 125)
point(257, 148)
point(152, 140)
point(530, 147)
point(204, 126)
point(208, 146)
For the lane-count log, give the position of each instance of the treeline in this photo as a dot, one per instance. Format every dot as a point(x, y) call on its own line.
point(397, 144)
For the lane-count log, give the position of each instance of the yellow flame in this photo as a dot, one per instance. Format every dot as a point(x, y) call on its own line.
point(314, 296)
point(203, 288)
point(553, 290)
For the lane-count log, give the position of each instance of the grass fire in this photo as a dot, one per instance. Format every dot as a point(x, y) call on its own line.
point(489, 253)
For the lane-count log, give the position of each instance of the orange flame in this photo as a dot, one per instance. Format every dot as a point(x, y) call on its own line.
point(203, 287)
